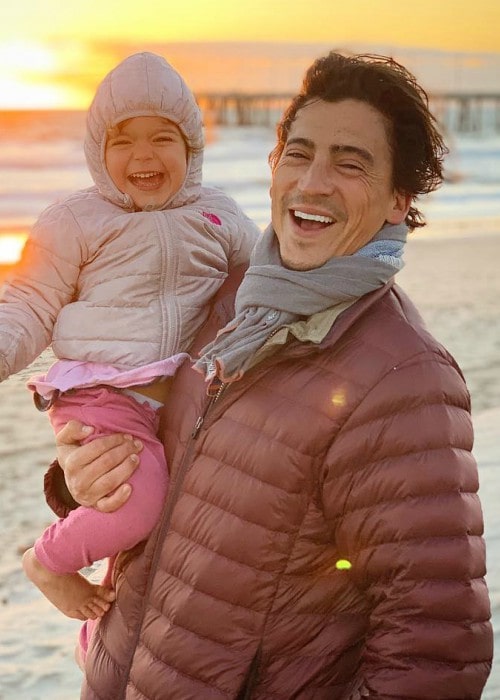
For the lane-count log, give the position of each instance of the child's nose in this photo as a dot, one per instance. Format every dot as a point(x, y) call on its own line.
point(143, 149)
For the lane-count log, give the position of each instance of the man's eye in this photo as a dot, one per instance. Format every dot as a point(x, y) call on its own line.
point(295, 154)
point(351, 166)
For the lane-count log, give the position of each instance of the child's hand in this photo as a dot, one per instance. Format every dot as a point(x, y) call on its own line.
point(97, 471)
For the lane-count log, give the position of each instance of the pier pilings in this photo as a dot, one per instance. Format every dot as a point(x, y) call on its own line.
point(464, 113)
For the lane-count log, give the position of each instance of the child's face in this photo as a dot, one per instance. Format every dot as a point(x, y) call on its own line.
point(146, 158)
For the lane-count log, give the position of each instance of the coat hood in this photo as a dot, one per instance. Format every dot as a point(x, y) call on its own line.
point(144, 85)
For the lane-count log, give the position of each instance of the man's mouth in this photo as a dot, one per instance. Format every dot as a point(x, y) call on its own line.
point(146, 181)
point(311, 222)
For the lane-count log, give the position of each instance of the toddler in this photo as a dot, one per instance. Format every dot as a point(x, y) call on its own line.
point(118, 278)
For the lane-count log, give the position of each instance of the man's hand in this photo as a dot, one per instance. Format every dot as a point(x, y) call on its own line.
point(96, 472)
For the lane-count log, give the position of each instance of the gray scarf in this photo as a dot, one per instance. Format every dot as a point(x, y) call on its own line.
point(271, 296)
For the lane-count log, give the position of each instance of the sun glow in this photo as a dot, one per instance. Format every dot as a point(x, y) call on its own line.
point(26, 76)
point(11, 245)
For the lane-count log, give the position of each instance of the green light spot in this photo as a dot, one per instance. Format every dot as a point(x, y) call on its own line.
point(343, 564)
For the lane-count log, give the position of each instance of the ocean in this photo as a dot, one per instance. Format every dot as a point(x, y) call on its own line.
point(451, 273)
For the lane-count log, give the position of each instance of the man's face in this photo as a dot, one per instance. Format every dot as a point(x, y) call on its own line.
point(332, 187)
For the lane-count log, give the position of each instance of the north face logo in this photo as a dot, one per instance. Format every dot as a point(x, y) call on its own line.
point(212, 217)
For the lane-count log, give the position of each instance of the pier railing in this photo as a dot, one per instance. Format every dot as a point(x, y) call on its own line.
point(458, 113)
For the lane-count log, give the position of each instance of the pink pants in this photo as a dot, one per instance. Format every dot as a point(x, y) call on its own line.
point(87, 535)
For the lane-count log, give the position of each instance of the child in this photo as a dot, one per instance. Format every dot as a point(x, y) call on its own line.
point(118, 277)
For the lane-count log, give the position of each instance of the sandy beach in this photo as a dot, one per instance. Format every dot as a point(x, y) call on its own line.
point(457, 288)
point(36, 641)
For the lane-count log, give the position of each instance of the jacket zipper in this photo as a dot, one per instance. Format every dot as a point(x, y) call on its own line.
point(214, 392)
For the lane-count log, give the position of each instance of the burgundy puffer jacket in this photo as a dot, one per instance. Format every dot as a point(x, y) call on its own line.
point(358, 449)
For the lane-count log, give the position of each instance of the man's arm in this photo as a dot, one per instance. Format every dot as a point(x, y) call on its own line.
point(401, 492)
point(94, 474)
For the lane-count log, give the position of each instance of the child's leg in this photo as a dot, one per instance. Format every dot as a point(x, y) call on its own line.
point(88, 535)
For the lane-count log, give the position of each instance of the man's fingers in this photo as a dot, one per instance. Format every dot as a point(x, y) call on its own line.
point(73, 433)
point(105, 475)
point(100, 455)
point(96, 469)
point(114, 500)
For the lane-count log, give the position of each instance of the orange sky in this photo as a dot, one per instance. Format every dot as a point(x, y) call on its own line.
point(53, 53)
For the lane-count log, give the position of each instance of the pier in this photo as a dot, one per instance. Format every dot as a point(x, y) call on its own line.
point(458, 113)
point(239, 109)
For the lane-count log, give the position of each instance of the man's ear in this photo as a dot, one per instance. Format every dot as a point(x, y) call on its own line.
point(399, 209)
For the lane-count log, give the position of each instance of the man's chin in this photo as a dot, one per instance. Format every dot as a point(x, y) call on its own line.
point(299, 265)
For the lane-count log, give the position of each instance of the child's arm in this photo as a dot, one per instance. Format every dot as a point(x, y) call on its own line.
point(40, 285)
point(244, 240)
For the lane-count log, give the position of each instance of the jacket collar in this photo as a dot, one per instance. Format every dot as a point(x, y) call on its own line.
point(223, 312)
point(343, 322)
point(351, 315)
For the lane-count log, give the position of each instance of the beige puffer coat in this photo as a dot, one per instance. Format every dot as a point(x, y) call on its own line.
point(358, 449)
point(105, 283)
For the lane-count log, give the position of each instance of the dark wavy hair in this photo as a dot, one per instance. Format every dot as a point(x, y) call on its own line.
point(416, 144)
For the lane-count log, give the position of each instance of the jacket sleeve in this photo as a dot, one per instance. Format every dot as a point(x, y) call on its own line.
point(41, 284)
point(400, 489)
point(57, 495)
point(246, 237)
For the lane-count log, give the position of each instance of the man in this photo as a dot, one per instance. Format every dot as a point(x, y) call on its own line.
point(322, 537)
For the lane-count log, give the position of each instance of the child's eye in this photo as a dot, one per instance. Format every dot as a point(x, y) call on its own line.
point(164, 138)
point(118, 142)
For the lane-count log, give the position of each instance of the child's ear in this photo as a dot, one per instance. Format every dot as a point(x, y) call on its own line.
point(399, 208)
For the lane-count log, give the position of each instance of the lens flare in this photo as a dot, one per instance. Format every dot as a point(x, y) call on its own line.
point(343, 565)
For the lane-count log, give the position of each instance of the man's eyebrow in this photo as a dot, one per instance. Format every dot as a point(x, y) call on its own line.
point(300, 141)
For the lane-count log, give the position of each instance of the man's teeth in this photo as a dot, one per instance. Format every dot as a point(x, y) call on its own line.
point(313, 217)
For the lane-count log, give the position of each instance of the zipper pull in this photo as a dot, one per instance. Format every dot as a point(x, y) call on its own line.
point(197, 426)
point(214, 387)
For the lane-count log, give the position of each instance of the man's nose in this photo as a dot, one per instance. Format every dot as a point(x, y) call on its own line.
point(318, 178)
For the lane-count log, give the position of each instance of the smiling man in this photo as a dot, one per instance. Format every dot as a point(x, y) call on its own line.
point(324, 535)
point(332, 187)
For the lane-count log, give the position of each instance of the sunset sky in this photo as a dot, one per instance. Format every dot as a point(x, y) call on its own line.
point(53, 53)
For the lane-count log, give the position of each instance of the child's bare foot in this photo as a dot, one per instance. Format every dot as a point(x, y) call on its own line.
point(72, 594)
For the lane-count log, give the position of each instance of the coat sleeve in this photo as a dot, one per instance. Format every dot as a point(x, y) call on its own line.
point(57, 495)
point(400, 489)
point(246, 237)
point(41, 284)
